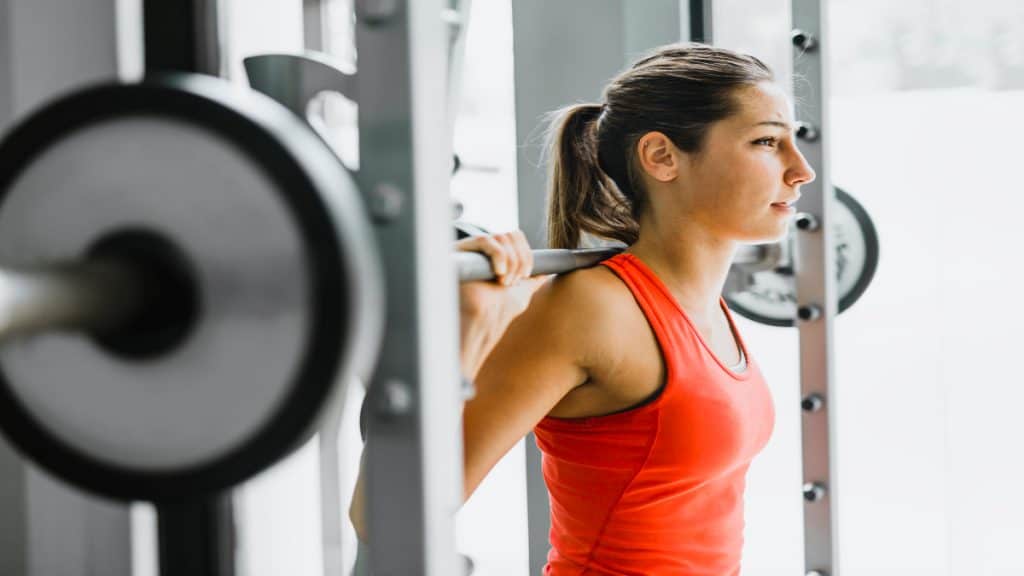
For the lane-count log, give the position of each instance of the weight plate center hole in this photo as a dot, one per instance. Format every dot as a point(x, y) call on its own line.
point(169, 301)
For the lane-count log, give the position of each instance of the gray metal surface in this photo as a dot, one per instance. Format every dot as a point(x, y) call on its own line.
point(314, 28)
point(210, 40)
point(48, 46)
point(473, 266)
point(816, 286)
point(414, 451)
point(87, 296)
point(457, 20)
point(701, 20)
point(13, 537)
point(69, 534)
point(6, 77)
point(14, 552)
point(227, 378)
point(296, 79)
point(561, 58)
point(316, 74)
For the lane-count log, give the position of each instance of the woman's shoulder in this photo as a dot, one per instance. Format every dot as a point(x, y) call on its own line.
point(588, 296)
point(595, 310)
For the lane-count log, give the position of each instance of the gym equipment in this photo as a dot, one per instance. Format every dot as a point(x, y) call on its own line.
point(296, 79)
point(465, 229)
point(473, 266)
point(209, 265)
point(767, 291)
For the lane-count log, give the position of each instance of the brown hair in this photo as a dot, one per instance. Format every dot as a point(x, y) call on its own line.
point(679, 90)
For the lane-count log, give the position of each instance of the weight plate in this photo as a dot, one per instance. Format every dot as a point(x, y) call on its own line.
point(771, 298)
point(280, 253)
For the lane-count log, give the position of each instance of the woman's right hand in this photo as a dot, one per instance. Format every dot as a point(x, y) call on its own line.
point(487, 308)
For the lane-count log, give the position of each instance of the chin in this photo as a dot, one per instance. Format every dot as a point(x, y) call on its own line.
point(770, 236)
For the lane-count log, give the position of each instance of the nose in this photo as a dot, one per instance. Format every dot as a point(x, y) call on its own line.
point(800, 172)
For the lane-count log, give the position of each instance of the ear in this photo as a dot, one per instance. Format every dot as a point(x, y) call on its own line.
point(658, 156)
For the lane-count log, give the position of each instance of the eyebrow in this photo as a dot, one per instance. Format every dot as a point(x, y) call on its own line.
point(775, 123)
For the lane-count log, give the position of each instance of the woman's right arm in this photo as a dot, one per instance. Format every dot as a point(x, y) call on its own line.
point(537, 362)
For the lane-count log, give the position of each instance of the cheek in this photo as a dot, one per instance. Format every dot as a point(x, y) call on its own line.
point(740, 184)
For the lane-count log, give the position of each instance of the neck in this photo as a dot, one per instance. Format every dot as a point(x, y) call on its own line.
point(691, 262)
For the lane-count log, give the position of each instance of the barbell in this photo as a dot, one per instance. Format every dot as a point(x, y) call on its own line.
point(187, 263)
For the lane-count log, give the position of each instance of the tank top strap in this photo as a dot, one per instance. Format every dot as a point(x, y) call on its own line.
point(658, 307)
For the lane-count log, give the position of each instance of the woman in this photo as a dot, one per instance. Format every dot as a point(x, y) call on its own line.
point(645, 402)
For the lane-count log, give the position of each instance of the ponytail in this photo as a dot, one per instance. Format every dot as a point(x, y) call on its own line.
point(582, 198)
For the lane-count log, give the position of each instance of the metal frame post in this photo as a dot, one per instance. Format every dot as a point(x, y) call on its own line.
point(13, 544)
point(315, 37)
point(314, 30)
point(816, 292)
point(414, 445)
point(48, 527)
point(197, 535)
point(182, 36)
point(701, 21)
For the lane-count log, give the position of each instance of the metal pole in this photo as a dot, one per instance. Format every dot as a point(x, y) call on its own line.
point(413, 453)
point(816, 292)
point(13, 535)
point(701, 29)
point(196, 536)
point(314, 32)
point(181, 36)
point(47, 527)
point(91, 296)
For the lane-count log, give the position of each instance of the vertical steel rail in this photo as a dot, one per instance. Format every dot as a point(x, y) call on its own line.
point(701, 21)
point(816, 291)
point(314, 29)
point(46, 527)
point(13, 500)
point(315, 38)
point(182, 36)
point(196, 536)
point(414, 445)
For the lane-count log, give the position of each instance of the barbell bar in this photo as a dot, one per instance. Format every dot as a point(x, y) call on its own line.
point(103, 296)
point(89, 296)
point(473, 266)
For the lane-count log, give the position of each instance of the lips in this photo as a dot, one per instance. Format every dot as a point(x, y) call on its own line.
point(786, 204)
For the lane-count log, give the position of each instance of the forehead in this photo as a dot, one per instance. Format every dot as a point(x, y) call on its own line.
point(762, 102)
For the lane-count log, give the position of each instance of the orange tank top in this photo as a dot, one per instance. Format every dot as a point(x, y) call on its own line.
point(658, 489)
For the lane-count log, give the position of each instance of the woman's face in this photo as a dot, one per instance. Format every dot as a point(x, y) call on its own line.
point(748, 170)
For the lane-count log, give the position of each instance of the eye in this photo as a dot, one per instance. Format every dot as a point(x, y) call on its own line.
point(769, 141)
